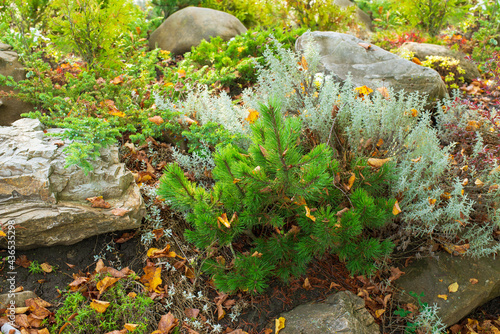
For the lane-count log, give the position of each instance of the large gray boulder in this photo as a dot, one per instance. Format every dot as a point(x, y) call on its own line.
point(342, 312)
point(371, 66)
point(189, 26)
point(433, 277)
point(422, 50)
point(11, 108)
point(47, 202)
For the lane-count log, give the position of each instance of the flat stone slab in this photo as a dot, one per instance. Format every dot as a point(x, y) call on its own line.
point(432, 277)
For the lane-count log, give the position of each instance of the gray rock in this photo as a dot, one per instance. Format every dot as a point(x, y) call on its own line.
point(11, 108)
point(422, 50)
point(19, 298)
point(432, 277)
point(341, 54)
point(342, 312)
point(189, 26)
point(47, 202)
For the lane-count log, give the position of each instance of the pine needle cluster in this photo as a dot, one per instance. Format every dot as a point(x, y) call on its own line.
point(277, 205)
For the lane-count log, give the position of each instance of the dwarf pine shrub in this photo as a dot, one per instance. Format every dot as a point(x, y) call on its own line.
point(282, 207)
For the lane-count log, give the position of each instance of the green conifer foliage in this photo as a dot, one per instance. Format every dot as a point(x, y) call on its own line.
point(283, 204)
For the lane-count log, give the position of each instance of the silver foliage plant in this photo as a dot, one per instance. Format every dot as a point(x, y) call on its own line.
point(421, 166)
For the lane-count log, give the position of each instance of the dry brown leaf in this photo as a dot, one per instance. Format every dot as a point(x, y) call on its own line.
point(377, 163)
point(191, 312)
point(306, 284)
point(130, 327)
point(23, 261)
point(37, 311)
point(379, 312)
point(156, 119)
point(46, 267)
point(118, 80)
point(384, 92)
point(473, 281)
point(365, 45)
point(395, 274)
point(98, 202)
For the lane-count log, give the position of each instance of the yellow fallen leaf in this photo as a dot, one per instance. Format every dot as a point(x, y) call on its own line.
point(432, 201)
point(156, 281)
point(99, 305)
point(252, 116)
point(445, 297)
point(279, 324)
point(308, 214)
point(396, 209)
point(117, 113)
point(306, 284)
point(2, 234)
point(105, 283)
point(352, 178)
point(479, 183)
point(377, 163)
point(453, 287)
point(379, 312)
point(130, 327)
point(414, 113)
point(223, 219)
point(132, 294)
point(380, 142)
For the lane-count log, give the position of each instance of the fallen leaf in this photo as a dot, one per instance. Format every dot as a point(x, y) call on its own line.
point(166, 324)
point(335, 285)
point(182, 73)
point(125, 237)
point(130, 327)
point(279, 324)
point(384, 92)
point(416, 61)
point(417, 159)
point(46, 267)
point(223, 219)
point(473, 281)
point(445, 297)
point(465, 182)
point(395, 274)
point(350, 183)
point(118, 80)
point(432, 201)
point(453, 287)
point(119, 211)
point(2, 234)
point(252, 116)
point(396, 209)
point(130, 146)
point(308, 214)
point(43, 331)
point(377, 163)
point(99, 305)
point(303, 63)
point(156, 119)
point(306, 284)
point(37, 311)
point(105, 283)
point(98, 202)
point(155, 253)
point(414, 113)
point(23, 261)
point(379, 312)
point(70, 265)
point(479, 183)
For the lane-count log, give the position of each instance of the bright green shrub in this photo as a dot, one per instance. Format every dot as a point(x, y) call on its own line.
point(283, 202)
point(431, 15)
point(92, 28)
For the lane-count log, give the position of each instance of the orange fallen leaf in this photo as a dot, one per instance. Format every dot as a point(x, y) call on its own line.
point(350, 183)
point(43, 331)
point(98, 202)
point(38, 311)
point(384, 91)
point(365, 45)
point(306, 284)
point(156, 119)
point(99, 305)
point(46, 267)
point(119, 211)
point(303, 63)
point(445, 297)
point(473, 281)
point(432, 201)
point(395, 274)
point(155, 253)
point(118, 80)
point(416, 61)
